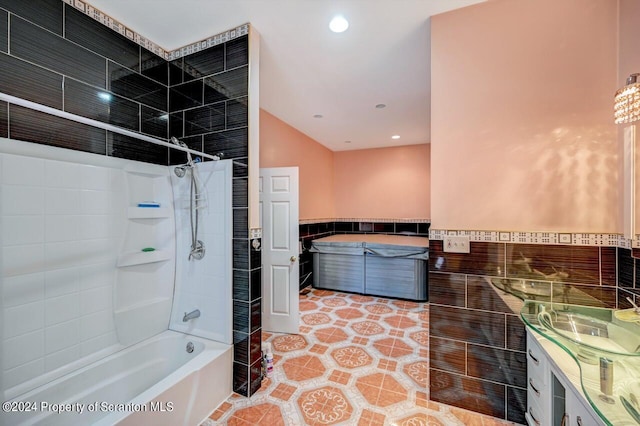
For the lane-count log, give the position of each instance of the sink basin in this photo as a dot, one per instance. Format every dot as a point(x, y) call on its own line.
point(592, 332)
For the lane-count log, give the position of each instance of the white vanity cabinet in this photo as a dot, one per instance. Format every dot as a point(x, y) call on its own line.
point(554, 396)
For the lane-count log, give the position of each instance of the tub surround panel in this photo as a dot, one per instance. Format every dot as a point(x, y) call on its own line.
point(53, 211)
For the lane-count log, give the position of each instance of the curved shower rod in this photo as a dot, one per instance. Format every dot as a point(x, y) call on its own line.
point(95, 123)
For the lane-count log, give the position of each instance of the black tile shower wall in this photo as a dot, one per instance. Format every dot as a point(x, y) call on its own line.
point(477, 340)
point(309, 232)
point(55, 55)
point(52, 54)
point(208, 93)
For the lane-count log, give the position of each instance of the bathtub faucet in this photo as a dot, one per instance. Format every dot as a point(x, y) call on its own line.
point(191, 315)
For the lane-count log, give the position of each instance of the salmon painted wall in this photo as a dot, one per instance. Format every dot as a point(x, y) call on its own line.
point(522, 131)
point(383, 183)
point(283, 146)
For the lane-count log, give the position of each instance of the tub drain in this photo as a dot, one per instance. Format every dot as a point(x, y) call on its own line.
point(190, 347)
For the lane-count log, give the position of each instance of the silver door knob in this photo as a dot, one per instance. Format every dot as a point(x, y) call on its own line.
point(293, 259)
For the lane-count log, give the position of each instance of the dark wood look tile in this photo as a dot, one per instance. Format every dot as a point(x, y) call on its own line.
point(204, 119)
point(240, 377)
point(153, 66)
point(41, 47)
point(86, 31)
point(241, 285)
point(4, 30)
point(233, 143)
point(203, 63)
point(447, 289)
point(482, 327)
point(240, 253)
point(240, 222)
point(497, 365)
point(482, 295)
point(608, 257)
point(33, 126)
point(623, 293)
point(626, 268)
point(516, 334)
point(184, 96)
point(240, 192)
point(131, 85)
point(154, 122)
point(237, 52)
point(27, 81)
point(134, 149)
point(635, 253)
point(45, 13)
point(468, 393)
point(484, 259)
point(241, 316)
point(4, 120)
point(447, 355)
point(516, 405)
point(241, 347)
point(226, 85)
point(581, 263)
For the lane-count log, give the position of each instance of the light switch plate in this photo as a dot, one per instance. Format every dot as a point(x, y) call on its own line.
point(457, 244)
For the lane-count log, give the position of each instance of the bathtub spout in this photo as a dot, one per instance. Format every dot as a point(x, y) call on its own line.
point(191, 315)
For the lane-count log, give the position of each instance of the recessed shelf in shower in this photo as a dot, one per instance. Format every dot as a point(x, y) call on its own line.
point(148, 213)
point(143, 257)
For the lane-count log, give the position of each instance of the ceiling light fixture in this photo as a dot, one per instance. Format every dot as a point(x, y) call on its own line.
point(627, 101)
point(380, 106)
point(347, 141)
point(395, 137)
point(338, 24)
point(318, 116)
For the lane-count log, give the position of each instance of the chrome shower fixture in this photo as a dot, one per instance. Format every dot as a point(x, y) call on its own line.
point(180, 171)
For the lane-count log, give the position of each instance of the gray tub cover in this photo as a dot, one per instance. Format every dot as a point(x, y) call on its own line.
point(380, 245)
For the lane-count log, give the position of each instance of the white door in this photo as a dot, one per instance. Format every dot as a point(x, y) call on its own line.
point(280, 274)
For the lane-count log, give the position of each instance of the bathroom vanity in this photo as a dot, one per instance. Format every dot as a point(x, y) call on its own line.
point(374, 264)
point(567, 348)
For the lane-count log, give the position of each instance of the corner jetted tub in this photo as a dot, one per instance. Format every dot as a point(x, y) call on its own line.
point(169, 379)
point(381, 265)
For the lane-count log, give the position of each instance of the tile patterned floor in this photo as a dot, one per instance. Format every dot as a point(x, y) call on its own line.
point(358, 360)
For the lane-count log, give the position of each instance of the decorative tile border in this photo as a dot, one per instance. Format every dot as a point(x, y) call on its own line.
point(122, 29)
point(357, 219)
point(550, 238)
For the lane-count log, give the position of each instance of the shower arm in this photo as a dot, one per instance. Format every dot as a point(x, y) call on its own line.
point(99, 124)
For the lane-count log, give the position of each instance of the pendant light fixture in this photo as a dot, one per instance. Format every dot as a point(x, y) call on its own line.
point(627, 101)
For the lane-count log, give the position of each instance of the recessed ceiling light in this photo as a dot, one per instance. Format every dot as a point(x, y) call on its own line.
point(395, 137)
point(347, 141)
point(318, 116)
point(338, 24)
point(380, 106)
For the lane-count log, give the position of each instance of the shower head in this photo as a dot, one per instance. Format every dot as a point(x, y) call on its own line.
point(180, 171)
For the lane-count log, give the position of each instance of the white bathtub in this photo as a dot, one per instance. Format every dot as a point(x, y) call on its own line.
point(153, 382)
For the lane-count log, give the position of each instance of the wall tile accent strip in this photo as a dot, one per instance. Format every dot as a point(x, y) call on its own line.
point(352, 219)
point(550, 238)
point(119, 27)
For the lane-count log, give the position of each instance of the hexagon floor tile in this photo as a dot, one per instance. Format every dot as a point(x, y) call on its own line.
point(358, 360)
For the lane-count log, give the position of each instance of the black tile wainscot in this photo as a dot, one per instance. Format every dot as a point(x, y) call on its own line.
point(311, 231)
point(477, 341)
point(54, 54)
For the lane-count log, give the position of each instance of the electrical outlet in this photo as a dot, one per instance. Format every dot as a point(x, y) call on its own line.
point(457, 244)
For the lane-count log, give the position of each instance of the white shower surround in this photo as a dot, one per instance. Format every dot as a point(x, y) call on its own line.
point(68, 219)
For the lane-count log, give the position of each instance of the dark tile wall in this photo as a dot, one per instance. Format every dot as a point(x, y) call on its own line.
point(55, 55)
point(477, 339)
point(310, 232)
point(52, 54)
